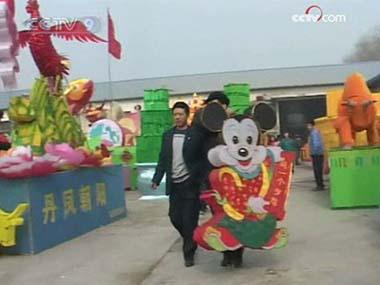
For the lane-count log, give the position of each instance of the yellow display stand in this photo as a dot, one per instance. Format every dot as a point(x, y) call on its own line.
point(331, 138)
point(305, 153)
point(332, 100)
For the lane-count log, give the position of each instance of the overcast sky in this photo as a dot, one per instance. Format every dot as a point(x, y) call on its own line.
point(174, 37)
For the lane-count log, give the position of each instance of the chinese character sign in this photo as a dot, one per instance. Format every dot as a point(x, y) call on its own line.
point(84, 199)
point(62, 206)
point(69, 203)
point(50, 208)
point(101, 194)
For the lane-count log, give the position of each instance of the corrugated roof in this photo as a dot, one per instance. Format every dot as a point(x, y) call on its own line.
point(258, 79)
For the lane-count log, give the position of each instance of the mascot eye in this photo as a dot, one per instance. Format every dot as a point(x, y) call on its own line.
point(249, 140)
point(235, 139)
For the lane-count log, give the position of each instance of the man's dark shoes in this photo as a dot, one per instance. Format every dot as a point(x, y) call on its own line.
point(237, 258)
point(234, 258)
point(319, 188)
point(189, 262)
point(189, 248)
point(226, 259)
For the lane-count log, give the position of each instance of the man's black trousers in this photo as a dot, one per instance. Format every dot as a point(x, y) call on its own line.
point(184, 206)
point(318, 169)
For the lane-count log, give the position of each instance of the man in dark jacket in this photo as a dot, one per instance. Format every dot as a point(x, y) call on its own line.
point(209, 139)
point(178, 160)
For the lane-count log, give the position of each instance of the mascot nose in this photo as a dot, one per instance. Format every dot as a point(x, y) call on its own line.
point(243, 152)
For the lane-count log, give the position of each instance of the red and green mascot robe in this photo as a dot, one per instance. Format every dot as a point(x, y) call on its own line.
point(250, 187)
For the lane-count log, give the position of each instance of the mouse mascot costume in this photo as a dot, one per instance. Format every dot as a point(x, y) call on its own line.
point(250, 186)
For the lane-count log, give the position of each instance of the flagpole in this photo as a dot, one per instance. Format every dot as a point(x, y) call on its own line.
point(114, 49)
point(109, 76)
point(110, 91)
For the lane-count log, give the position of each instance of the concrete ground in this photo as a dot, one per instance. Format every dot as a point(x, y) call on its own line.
point(326, 247)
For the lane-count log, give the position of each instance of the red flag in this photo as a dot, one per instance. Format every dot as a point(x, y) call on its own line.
point(114, 46)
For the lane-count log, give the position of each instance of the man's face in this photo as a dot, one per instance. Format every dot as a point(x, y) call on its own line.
point(286, 135)
point(180, 117)
point(309, 127)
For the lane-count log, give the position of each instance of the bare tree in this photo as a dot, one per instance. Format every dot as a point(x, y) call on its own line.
point(367, 48)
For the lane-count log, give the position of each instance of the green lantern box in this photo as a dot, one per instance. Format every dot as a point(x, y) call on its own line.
point(355, 177)
point(148, 148)
point(156, 99)
point(155, 119)
point(153, 123)
point(239, 95)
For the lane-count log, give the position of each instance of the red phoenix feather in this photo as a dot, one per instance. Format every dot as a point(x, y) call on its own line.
point(49, 62)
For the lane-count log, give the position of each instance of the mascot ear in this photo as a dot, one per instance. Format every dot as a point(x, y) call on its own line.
point(219, 156)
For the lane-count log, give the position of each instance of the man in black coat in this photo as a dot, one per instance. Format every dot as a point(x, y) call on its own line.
point(210, 139)
point(179, 161)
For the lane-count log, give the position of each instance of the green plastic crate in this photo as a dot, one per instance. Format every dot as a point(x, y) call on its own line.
point(239, 109)
point(154, 123)
point(156, 99)
point(240, 88)
point(239, 95)
point(355, 177)
point(148, 148)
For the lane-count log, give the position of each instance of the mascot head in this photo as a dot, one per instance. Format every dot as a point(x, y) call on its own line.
point(241, 136)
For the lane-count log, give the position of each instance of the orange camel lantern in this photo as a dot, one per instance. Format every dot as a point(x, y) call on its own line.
point(356, 112)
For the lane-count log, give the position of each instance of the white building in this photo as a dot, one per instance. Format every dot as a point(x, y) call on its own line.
point(297, 93)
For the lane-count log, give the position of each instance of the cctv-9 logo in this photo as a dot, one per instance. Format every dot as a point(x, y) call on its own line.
point(92, 23)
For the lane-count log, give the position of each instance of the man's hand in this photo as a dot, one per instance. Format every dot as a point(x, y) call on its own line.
point(154, 186)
